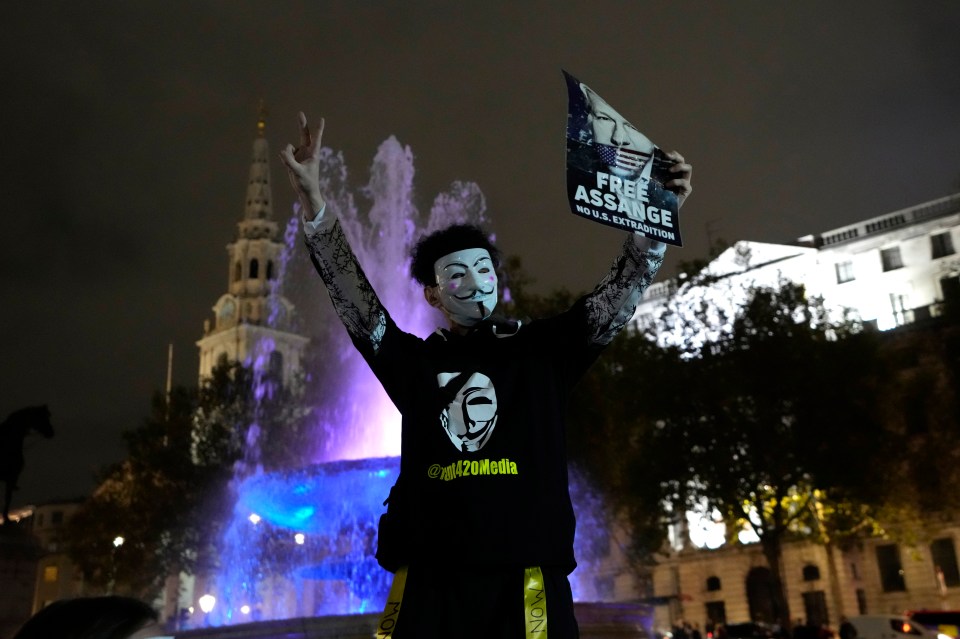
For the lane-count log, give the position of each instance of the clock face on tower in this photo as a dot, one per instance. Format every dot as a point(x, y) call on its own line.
point(227, 310)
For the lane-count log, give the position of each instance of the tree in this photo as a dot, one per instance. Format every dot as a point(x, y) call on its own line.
point(170, 498)
point(148, 501)
point(923, 408)
point(766, 422)
point(792, 422)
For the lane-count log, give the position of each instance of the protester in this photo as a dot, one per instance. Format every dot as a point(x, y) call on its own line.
point(479, 527)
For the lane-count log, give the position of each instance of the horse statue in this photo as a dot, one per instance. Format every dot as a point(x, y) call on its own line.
point(13, 431)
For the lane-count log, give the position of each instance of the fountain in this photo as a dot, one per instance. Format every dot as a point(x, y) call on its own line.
point(302, 541)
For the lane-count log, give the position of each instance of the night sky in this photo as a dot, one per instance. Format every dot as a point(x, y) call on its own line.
point(127, 131)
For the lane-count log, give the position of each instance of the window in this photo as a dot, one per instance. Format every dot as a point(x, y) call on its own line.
point(944, 556)
point(716, 612)
point(891, 570)
point(861, 601)
point(891, 259)
point(815, 607)
point(276, 365)
point(900, 305)
point(56, 518)
point(811, 572)
point(844, 272)
point(950, 287)
point(941, 245)
point(713, 583)
point(255, 269)
point(270, 275)
point(50, 573)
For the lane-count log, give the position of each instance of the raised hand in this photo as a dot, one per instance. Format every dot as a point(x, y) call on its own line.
point(682, 176)
point(303, 167)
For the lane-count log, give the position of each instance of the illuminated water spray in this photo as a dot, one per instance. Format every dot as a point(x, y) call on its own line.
point(358, 420)
point(302, 541)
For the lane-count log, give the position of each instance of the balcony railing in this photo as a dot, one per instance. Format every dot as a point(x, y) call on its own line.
point(912, 215)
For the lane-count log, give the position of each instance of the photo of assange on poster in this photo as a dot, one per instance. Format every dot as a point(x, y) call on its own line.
point(615, 174)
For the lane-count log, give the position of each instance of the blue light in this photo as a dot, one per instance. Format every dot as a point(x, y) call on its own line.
point(304, 513)
point(323, 498)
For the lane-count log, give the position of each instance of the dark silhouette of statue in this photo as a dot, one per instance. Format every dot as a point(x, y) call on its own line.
point(13, 431)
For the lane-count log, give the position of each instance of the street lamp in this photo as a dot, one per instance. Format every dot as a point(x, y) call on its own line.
point(207, 602)
point(117, 542)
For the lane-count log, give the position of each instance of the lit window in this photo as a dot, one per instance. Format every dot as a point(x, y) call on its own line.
point(900, 305)
point(891, 258)
point(844, 272)
point(941, 245)
point(50, 573)
point(944, 556)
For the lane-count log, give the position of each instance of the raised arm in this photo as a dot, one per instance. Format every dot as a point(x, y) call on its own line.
point(613, 302)
point(350, 291)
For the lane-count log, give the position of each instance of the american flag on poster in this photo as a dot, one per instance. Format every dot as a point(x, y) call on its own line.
point(623, 158)
point(617, 176)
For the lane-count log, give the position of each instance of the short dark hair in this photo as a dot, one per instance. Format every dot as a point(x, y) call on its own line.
point(458, 237)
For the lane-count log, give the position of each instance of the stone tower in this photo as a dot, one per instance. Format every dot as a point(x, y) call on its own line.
point(252, 321)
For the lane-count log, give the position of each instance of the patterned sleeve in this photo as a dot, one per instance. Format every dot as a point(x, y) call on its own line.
point(613, 302)
point(350, 291)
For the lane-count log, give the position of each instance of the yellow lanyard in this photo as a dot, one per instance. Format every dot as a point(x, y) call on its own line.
point(391, 611)
point(534, 604)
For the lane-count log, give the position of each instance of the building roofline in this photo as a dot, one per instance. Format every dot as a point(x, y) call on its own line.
point(883, 223)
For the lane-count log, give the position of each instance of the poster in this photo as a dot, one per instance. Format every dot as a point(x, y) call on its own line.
point(615, 174)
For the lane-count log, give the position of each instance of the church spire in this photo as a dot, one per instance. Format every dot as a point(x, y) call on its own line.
point(262, 122)
point(253, 320)
point(259, 204)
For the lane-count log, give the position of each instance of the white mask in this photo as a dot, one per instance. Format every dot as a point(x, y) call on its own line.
point(467, 285)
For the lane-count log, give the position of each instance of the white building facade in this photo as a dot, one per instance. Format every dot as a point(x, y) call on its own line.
point(888, 271)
